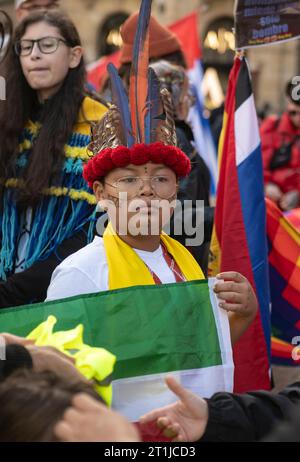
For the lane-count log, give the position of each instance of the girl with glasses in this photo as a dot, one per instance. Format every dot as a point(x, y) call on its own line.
point(46, 211)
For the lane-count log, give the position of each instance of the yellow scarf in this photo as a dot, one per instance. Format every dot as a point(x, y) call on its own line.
point(90, 111)
point(126, 269)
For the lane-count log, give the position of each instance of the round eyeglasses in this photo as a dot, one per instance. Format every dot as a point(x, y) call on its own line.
point(47, 45)
point(163, 186)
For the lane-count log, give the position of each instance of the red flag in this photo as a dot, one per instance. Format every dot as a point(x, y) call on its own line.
point(239, 241)
point(97, 73)
point(186, 30)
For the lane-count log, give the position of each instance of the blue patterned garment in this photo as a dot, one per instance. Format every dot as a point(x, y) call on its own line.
point(63, 211)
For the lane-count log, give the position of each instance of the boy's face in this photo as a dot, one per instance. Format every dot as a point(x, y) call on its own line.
point(140, 200)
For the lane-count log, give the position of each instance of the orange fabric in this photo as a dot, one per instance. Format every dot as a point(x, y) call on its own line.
point(161, 40)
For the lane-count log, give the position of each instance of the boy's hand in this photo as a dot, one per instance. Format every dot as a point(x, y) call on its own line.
point(236, 296)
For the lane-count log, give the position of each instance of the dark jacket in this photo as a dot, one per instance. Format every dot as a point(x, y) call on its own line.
point(194, 188)
point(252, 416)
point(197, 185)
point(30, 286)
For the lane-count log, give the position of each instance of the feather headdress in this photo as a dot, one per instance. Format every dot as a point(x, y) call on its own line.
point(141, 129)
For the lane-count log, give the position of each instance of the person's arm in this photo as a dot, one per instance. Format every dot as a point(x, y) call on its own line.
point(250, 416)
point(225, 416)
point(185, 420)
point(31, 285)
point(287, 431)
point(21, 353)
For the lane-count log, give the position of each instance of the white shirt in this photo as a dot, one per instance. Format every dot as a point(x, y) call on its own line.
point(86, 271)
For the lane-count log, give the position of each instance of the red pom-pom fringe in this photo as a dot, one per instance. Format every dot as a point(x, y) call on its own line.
point(158, 153)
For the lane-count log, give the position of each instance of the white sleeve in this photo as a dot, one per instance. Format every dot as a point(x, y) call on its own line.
point(68, 282)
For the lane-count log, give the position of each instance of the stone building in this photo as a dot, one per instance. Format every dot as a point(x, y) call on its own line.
point(98, 22)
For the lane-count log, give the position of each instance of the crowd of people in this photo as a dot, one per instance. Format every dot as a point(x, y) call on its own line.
point(63, 150)
point(44, 398)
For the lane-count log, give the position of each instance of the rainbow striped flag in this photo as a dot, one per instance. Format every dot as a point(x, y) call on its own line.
point(239, 241)
point(284, 261)
point(294, 217)
point(153, 331)
point(285, 354)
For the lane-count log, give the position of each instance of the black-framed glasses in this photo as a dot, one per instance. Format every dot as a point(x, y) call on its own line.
point(47, 45)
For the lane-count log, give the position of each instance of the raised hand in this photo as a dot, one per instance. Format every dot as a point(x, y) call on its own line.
point(185, 420)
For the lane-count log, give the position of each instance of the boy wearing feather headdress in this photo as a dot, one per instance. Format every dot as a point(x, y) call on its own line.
point(134, 172)
point(134, 185)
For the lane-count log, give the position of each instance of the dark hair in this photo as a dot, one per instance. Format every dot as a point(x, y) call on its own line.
point(17, 357)
point(32, 403)
point(58, 115)
point(290, 89)
point(177, 57)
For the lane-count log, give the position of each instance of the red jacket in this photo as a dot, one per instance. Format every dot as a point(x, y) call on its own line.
point(276, 132)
